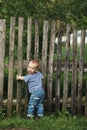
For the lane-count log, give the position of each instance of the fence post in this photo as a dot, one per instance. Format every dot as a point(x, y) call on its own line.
point(50, 66)
point(2, 57)
point(20, 64)
point(66, 71)
point(58, 71)
point(74, 72)
point(80, 75)
point(11, 66)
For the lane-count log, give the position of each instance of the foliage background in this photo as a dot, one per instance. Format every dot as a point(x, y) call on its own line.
point(68, 11)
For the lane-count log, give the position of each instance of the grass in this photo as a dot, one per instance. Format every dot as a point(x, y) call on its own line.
point(63, 122)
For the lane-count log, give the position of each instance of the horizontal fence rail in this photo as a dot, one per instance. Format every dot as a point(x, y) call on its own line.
point(64, 67)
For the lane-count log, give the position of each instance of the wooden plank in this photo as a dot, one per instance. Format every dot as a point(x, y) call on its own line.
point(80, 73)
point(66, 71)
point(50, 66)
point(29, 32)
point(25, 62)
point(14, 101)
point(2, 56)
point(36, 46)
point(74, 72)
point(44, 51)
point(20, 64)
point(11, 66)
point(58, 71)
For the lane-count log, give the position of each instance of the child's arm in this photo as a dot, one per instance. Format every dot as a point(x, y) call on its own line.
point(19, 77)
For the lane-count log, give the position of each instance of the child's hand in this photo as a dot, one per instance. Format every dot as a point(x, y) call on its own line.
point(19, 77)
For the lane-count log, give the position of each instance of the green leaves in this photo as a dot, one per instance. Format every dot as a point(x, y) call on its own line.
point(68, 11)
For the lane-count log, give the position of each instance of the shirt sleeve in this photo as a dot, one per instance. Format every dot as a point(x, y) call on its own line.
point(26, 78)
point(42, 76)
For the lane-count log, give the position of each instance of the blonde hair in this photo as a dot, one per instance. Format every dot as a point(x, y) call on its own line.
point(34, 64)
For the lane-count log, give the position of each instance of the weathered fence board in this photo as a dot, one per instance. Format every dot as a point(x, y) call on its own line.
point(66, 71)
point(36, 49)
point(20, 64)
point(44, 50)
point(81, 62)
point(58, 73)
point(29, 36)
point(50, 67)
point(74, 72)
point(2, 56)
point(11, 66)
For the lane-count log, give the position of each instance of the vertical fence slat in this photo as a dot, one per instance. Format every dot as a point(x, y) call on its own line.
point(44, 50)
point(29, 31)
point(66, 71)
point(11, 66)
point(58, 71)
point(2, 56)
point(20, 64)
point(74, 72)
point(36, 49)
point(80, 75)
point(50, 66)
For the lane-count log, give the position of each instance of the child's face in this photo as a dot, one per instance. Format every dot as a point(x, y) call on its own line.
point(31, 69)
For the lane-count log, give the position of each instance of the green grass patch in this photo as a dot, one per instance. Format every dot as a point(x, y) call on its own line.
point(63, 122)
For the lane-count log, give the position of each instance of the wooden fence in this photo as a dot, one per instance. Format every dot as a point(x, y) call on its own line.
point(59, 94)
